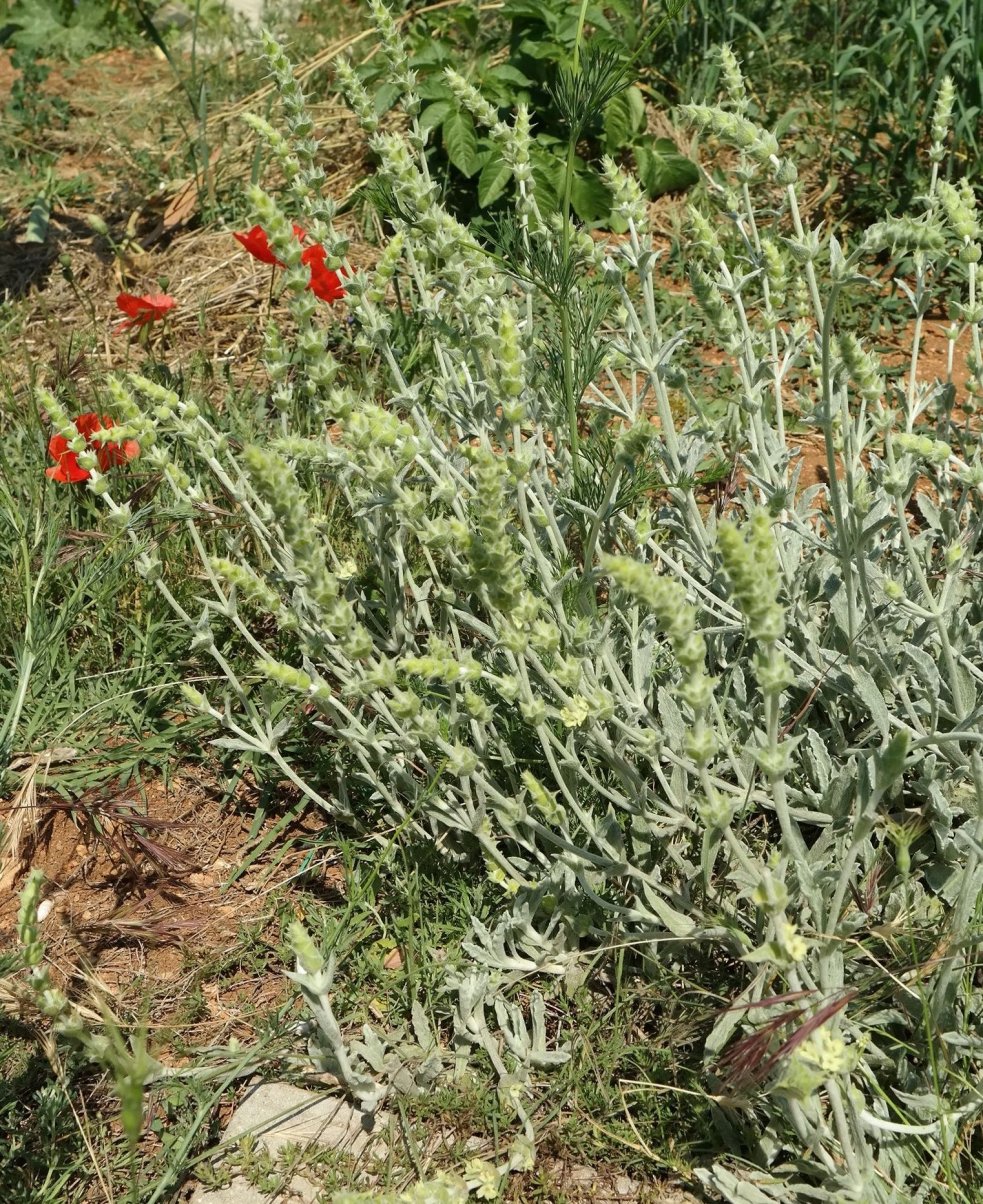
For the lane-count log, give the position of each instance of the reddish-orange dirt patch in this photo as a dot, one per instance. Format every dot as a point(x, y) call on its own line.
point(143, 906)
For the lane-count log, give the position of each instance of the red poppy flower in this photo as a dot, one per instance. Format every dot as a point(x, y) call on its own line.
point(67, 467)
point(143, 310)
point(325, 283)
point(257, 242)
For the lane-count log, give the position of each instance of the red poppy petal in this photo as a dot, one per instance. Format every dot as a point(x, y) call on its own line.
point(67, 470)
point(143, 310)
point(110, 454)
point(325, 283)
point(130, 304)
point(158, 303)
point(312, 255)
point(87, 424)
point(257, 243)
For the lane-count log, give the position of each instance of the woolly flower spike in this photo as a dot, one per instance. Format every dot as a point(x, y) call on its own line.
point(142, 311)
point(629, 202)
point(733, 79)
point(256, 241)
point(959, 207)
point(862, 367)
point(392, 45)
point(751, 564)
point(761, 145)
point(775, 270)
point(67, 468)
point(483, 1178)
point(511, 363)
point(309, 957)
point(712, 303)
point(468, 95)
point(704, 237)
point(941, 119)
point(355, 94)
point(666, 599)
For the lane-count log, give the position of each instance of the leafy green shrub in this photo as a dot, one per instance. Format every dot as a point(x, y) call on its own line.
point(27, 106)
point(865, 77)
point(70, 28)
point(886, 72)
point(753, 735)
point(542, 42)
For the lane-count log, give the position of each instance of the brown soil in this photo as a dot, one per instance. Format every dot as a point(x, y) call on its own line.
point(144, 908)
point(126, 135)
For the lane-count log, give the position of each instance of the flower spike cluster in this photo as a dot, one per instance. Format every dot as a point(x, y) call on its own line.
point(325, 283)
point(257, 242)
point(67, 468)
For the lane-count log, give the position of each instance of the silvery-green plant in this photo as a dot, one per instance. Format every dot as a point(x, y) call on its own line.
point(375, 1065)
point(755, 733)
point(368, 1068)
point(128, 1062)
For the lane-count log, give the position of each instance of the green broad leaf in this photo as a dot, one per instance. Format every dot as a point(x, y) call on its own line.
point(636, 104)
point(542, 50)
point(37, 221)
point(493, 181)
point(545, 169)
point(509, 75)
point(434, 87)
point(433, 54)
point(567, 27)
point(589, 197)
point(385, 98)
point(661, 168)
point(870, 694)
point(616, 124)
point(597, 17)
point(466, 18)
point(624, 119)
point(461, 142)
point(45, 28)
point(435, 114)
point(534, 9)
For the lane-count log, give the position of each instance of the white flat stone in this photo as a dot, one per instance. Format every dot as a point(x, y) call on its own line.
point(239, 1191)
point(252, 11)
point(277, 1114)
point(581, 1175)
point(303, 1191)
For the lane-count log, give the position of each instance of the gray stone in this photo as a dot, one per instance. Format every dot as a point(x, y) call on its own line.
point(251, 11)
point(581, 1175)
point(277, 1115)
point(239, 1191)
point(304, 1191)
point(172, 16)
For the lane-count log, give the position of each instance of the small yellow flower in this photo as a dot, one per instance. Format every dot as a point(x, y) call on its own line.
point(576, 713)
